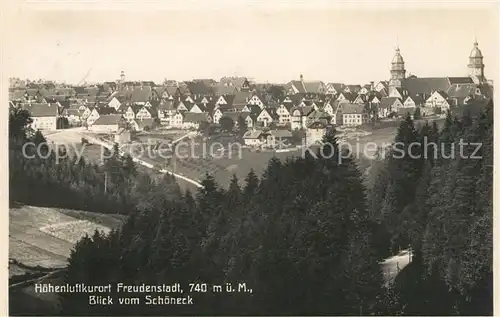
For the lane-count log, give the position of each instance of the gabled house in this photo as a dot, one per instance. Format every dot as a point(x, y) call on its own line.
point(114, 103)
point(197, 108)
point(44, 116)
point(354, 89)
point(361, 99)
point(217, 114)
point(110, 123)
point(284, 113)
point(256, 100)
point(328, 107)
point(303, 87)
point(73, 114)
point(299, 117)
point(354, 114)
point(166, 110)
point(223, 100)
point(438, 99)
point(267, 116)
point(388, 105)
point(250, 119)
point(334, 88)
point(142, 125)
point(347, 96)
point(317, 115)
point(413, 101)
point(142, 113)
point(181, 106)
point(91, 116)
point(254, 138)
point(381, 85)
point(238, 83)
point(193, 120)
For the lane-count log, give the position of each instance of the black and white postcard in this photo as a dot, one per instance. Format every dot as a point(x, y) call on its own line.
point(250, 158)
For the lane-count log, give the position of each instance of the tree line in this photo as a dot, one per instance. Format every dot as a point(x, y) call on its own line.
point(307, 236)
point(441, 206)
point(41, 174)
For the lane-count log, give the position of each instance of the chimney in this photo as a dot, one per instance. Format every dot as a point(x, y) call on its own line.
point(372, 88)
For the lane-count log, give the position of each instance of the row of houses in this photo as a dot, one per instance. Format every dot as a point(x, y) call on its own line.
point(143, 104)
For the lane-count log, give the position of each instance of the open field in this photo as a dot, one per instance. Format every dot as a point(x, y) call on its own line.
point(44, 237)
point(224, 163)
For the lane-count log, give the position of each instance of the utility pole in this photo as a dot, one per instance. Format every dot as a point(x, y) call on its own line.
point(105, 182)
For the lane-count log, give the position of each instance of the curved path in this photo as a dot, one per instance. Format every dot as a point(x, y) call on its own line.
point(109, 145)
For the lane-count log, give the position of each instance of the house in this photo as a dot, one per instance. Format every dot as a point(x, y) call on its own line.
point(315, 132)
point(388, 105)
point(255, 138)
point(354, 114)
point(280, 136)
point(130, 112)
point(122, 136)
point(174, 120)
point(165, 109)
point(44, 116)
point(250, 120)
point(73, 114)
point(361, 99)
point(374, 98)
point(413, 101)
point(238, 83)
point(197, 108)
point(366, 89)
point(217, 115)
point(142, 113)
point(334, 88)
point(223, 100)
point(305, 87)
point(267, 116)
point(347, 96)
point(283, 111)
point(328, 108)
point(459, 95)
point(355, 89)
point(181, 106)
point(404, 112)
point(92, 116)
point(257, 101)
point(299, 117)
point(381, 85)
point(142, 124)
point(193, 120)
point(110, 123)
point(317, 115)
point(438, 99)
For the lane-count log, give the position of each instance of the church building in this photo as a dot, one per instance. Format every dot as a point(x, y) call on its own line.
point(456, 90)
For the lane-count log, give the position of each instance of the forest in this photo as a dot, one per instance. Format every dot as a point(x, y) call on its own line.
point(307, 236)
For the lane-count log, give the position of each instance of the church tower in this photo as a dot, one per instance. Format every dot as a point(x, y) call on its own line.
point(398, 73)
point(476, 66)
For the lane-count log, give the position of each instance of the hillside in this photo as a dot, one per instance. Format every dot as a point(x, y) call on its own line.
point(40, 236)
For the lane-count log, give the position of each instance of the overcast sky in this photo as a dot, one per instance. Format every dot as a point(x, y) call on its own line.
point(269, 45)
